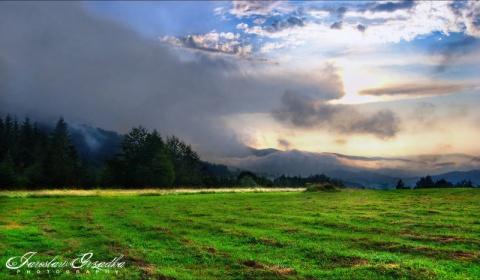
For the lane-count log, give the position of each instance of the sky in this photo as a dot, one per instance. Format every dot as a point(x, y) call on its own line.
point(361, 78)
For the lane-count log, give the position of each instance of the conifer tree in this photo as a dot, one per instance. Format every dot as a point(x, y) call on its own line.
point(143, 161)
point(186, 163)
point(61, 162)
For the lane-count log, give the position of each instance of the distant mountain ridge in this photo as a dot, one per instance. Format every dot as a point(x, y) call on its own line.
point(357, 171)
point(95, 144)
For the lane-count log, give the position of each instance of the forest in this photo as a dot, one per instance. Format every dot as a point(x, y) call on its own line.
point(36, 156)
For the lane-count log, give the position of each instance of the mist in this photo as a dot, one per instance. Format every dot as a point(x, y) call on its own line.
point(57, 59)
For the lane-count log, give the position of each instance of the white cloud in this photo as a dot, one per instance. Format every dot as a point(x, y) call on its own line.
point(318, 14)
point(260, 21)
point(271, 46)
point(242, 26)
point(223, 42)
point(254, 7)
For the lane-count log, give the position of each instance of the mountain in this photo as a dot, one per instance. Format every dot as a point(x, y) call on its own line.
point(262, 152)
point(362, 172)
point(457, 176)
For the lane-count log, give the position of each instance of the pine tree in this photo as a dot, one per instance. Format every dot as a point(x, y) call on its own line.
point(143, 161)
point(400, 185)
point(3, 136)
point(186, 163)
point(8, 177)
point(26, 143)
point(61, 162)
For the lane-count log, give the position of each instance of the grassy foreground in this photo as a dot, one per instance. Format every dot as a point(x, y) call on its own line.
point(353, 234)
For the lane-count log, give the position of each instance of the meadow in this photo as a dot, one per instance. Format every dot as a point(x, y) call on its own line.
point(352, 234)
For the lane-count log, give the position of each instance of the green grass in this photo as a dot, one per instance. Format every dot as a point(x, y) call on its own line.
point(352, 234)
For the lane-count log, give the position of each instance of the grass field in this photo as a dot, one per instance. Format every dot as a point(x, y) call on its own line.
point(353, 234)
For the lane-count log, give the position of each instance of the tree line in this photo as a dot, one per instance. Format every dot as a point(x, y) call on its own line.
point(428, 183)
point(33, 156)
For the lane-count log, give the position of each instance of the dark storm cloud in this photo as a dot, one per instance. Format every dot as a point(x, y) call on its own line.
point(414, 89)
point(452, 51)
point(304, 112)
point(361, 28)
point(391, 6)
point(336, 25)
point(445, 164)
point(57, 59)
point(280, 25)
point(370, 158)
point(341, 11)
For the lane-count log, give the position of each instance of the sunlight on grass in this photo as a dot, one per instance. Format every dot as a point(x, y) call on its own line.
point(136, 192)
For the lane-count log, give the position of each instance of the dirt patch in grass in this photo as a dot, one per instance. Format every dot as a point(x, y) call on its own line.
point(11, 225)
point(463, 256)
point(46, 228)
point(39, 218)
point(423, 250)
point(393, 265)
point(435, 237)
point(62, 202)
point(409, 232)
point(398, 270)
point(349, 261)
point(266, 242)
point(275, 269)
point(359, 262)
point(146, 268)
point(291, 230)
point(186, 241)
point(210, 250)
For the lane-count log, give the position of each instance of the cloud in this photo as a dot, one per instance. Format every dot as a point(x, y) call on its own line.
point(336, 25)
point(214, 42)
point(452, 51)
point(445, 164)
point(467, 13)
point(424, 111)
point(220, 12)
point(254, 7)
point(370, 158)
point(99, 73)
point(65, 61)
point(456, 111)
point(341, 11)
point(271, 46)
point(242, 26)
point(414, 90)
point(361, 28)
point(259, 21)
point(284, 144)
point(391, 6)
point(304, 112)
point(280, 25)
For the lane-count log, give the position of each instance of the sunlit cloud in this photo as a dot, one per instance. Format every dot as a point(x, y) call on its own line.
point(415, 90)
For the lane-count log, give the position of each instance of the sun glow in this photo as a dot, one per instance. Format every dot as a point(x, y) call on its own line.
point(356, 78)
